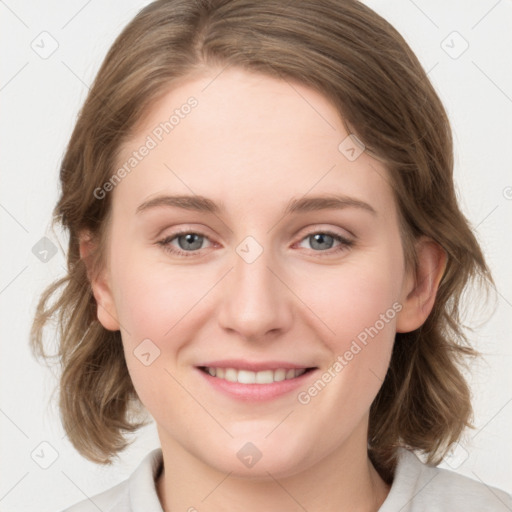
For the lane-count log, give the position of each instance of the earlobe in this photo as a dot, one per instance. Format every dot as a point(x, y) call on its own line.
point(420, 287)
point(106, 311)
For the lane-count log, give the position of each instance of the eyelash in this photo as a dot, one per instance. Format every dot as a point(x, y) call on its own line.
point(167, 247)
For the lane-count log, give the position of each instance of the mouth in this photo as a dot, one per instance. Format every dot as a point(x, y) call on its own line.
point(243, 376)
point(254, 382)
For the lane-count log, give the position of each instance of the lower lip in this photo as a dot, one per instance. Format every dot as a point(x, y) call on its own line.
point(256, 392)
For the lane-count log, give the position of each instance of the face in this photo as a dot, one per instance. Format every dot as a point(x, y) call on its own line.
point(257, 317)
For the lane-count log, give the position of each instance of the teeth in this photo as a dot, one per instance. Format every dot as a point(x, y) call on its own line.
point(246, 377)
point(231, 375)
point(262, 377)
point(279, 375)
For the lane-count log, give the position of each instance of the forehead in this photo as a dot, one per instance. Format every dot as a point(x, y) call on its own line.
point(246, 137)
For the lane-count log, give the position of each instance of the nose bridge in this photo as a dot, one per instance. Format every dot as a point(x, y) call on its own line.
point(254, 301)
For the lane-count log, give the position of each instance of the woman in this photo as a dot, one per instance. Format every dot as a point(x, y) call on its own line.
point(280, 374)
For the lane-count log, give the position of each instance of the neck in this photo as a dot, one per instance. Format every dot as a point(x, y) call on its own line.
point(344, 481)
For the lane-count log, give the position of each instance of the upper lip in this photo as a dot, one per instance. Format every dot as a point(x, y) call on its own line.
point(240, 364)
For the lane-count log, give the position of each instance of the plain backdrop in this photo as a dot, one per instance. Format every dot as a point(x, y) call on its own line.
point(50, 53)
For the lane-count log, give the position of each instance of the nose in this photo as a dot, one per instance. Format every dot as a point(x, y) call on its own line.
point(256, 303)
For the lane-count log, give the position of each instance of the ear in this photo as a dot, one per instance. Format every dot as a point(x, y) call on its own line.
point(100, 284)
point(421, 285)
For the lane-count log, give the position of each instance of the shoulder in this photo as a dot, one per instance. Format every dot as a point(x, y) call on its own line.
point(111, 500)
point(137, 493)
point(419, 487)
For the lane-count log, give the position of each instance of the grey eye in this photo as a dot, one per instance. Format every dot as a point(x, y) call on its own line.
point(321, 241)
point(193, 241)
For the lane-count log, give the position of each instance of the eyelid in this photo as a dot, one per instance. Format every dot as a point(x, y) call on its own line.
point(327, 229)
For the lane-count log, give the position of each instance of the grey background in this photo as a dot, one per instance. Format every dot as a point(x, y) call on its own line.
point(50, 53)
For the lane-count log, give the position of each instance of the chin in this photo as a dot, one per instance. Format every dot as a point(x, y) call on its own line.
point(244, 458)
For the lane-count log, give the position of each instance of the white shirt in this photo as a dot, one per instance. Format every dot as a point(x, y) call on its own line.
point(416, 487)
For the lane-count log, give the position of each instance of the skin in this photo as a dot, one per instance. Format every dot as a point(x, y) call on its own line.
point(253, 143)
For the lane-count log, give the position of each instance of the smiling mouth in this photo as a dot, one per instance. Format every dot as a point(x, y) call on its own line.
point(250, 377)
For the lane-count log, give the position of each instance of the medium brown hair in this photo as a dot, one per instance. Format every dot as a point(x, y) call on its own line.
point(357, 60)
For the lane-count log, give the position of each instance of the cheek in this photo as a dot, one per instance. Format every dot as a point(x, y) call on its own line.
point(352, 298)
point(358, 302)
point(160, 309)
point(151, 299)
point(359, 307)
point(149, 306)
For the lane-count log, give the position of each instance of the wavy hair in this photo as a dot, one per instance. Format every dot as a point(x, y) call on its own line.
point(357, 60)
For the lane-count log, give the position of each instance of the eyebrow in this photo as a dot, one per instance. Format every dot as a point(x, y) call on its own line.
point(305, 204)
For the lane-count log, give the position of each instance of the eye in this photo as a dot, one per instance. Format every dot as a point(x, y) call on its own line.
point(189, 243)
point(323, 241)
